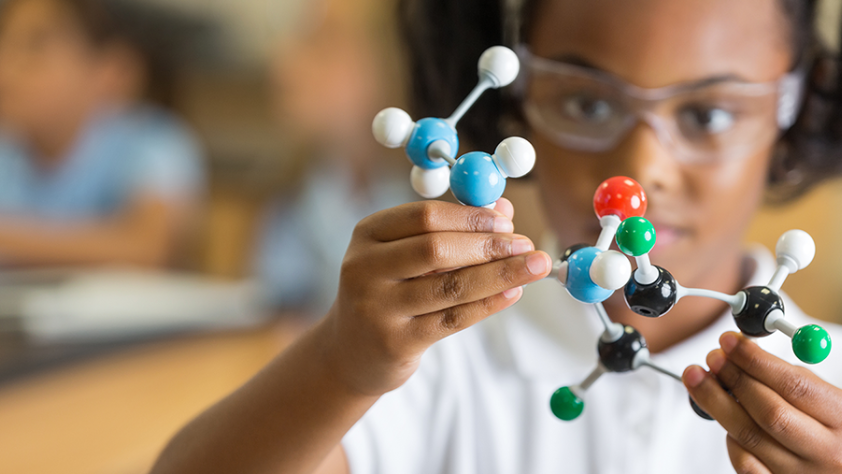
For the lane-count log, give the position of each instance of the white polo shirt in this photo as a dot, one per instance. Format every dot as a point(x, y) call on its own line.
point(479, 402)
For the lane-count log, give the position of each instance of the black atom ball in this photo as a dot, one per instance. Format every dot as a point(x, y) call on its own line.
point(653, 300)
point(760, 301)
point(618, 356)
point(699, 411)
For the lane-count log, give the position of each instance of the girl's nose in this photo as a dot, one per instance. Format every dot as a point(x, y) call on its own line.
point(642, 156)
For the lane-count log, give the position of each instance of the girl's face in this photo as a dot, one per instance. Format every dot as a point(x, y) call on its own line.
point(699, 210)
point(48, 70)
point(325, 82)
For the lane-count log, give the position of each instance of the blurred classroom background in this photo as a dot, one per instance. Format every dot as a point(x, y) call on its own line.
point(176, 297)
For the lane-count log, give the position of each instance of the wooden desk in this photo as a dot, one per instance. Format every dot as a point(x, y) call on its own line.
point(114, 415)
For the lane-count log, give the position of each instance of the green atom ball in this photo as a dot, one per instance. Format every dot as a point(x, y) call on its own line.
point(566, 405)
point(811, 344)
point(636, 236)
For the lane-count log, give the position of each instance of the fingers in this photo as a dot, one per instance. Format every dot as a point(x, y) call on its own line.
point(425, 253)
point(743, 461)
point(440, 324)
point(440, 291)
point(432, 216)
point(797, 385)
point(707, 393)
point(505, 207)
point(796, 431)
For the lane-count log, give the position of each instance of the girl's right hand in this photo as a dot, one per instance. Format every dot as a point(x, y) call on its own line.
point(417, 273)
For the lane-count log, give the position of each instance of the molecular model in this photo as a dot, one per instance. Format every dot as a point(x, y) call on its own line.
point(476, 178)
point(591, 274)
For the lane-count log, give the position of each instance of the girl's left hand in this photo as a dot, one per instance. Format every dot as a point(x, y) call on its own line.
point(787, 419)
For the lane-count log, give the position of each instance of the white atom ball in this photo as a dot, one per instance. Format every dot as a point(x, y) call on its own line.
point(430, 184)
point(798, 246)
point(610, 270)
point(515, 157)
point(392, 127)
point(501, 63)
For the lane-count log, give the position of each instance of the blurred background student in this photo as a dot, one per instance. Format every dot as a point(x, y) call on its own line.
point(329, 81)
point(91, 172)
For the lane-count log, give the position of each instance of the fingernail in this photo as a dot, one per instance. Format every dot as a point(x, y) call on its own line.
point(537, 264)
point(728, 342)
point(693, 376)
point(521, 246)
point(503, 225)
point(512, 292)
point(716, 359)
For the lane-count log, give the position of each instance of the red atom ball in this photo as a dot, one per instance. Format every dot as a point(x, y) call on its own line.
point(620, 196)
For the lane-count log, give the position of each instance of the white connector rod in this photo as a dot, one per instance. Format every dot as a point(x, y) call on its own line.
point(776, 321)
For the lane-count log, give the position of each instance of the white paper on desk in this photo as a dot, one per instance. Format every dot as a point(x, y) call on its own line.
point(111, 304)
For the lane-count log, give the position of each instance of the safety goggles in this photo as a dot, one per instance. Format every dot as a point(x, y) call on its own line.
point(713, 121)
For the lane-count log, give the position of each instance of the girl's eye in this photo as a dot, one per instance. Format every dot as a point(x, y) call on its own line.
point(710, 120)
point(587, 109)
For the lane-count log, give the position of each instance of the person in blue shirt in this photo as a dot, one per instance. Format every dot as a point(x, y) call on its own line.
point(328, 81)
point(90, 173)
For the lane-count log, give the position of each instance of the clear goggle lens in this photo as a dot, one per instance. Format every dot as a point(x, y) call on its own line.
point(586, 110)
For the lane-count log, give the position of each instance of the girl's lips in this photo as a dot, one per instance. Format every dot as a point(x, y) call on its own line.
point(667, 235)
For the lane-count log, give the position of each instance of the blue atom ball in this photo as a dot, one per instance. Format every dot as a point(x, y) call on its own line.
point(475, 180)
point(579, 283)
point(426, 132)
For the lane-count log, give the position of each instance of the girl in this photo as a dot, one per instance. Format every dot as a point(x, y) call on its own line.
point(717, 136)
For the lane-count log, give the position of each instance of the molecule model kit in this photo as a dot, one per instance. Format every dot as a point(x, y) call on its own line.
point(431, 144)
point(591, 274)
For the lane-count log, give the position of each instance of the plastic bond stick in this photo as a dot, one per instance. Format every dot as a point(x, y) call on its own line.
point(483, 85)
point(613, 331)
point(779, 277)
point(440, 150)
point(609, 225)
point(652, 365)
point(645, 274)
point(591, 379)
point(775, 320)
point(736, 302)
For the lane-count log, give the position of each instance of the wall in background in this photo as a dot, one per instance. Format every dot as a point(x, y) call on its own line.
point(252, 26)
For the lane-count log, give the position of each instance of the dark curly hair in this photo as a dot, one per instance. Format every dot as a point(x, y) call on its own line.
point(444, 38)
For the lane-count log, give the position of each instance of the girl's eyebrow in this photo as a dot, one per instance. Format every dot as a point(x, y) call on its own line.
point(576, 60)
